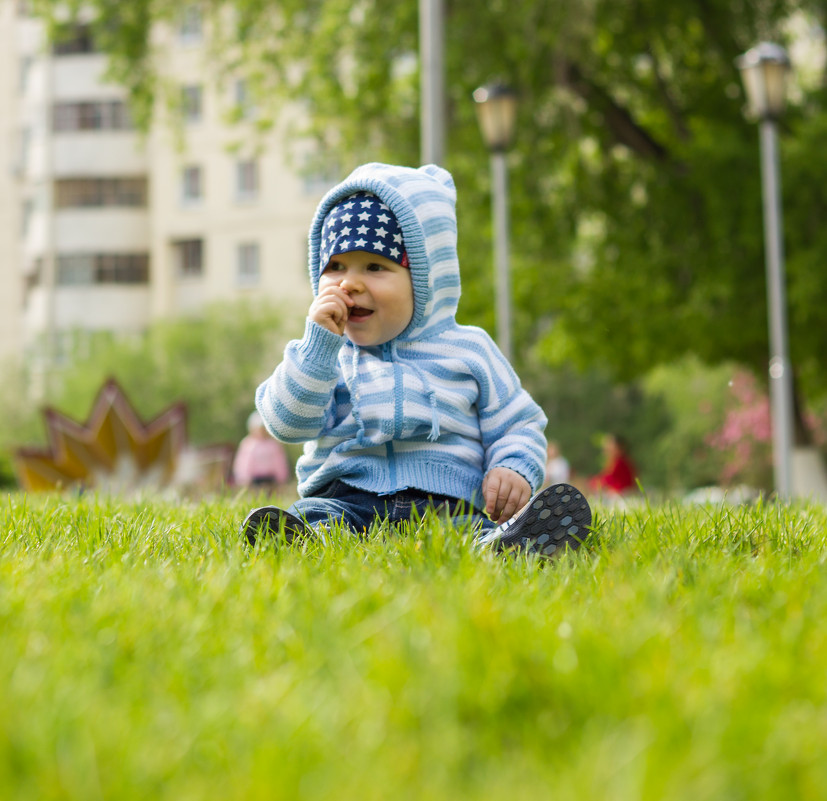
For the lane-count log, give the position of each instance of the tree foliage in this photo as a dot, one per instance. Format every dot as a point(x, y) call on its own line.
point(212, 363)
point(635, 187)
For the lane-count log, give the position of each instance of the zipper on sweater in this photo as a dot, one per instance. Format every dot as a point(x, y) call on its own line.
point(388, 353)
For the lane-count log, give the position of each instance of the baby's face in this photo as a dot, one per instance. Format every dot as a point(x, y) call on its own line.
point(382, 293)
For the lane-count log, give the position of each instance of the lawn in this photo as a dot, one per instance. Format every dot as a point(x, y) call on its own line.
point(147, 654)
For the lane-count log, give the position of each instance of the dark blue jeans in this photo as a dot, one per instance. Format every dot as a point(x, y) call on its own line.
point(358, 509)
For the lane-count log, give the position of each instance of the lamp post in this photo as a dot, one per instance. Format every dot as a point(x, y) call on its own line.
point(496, 106)
point(432, 81)
point(763, 70)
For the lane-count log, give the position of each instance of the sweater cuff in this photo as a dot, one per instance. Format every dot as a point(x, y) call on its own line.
point(319, 345)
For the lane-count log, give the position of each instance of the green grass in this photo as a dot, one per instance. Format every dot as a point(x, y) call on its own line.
point(145, 654)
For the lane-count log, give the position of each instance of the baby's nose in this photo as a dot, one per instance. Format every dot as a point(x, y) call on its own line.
point(352, 284)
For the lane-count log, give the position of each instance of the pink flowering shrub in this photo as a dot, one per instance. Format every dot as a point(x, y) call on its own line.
point(745, 438)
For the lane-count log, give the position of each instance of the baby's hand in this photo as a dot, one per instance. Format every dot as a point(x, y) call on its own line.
point(505, 493)
point(331, 308)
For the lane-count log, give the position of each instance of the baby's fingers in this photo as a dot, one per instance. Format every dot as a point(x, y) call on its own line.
point(496, 495)
point(330, 311)
point(510, 506)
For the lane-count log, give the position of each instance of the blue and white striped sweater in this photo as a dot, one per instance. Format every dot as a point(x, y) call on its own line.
point(433, 409)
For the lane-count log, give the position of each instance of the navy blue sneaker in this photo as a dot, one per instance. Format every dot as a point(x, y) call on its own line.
point(272, 520)
point(556, 518)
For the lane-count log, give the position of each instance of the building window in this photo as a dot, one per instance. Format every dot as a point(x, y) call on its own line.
point(190, 27)
point(191, 103)
point(84, 269)
point(112, 115)
point(248, 264)
point(192, 190)
point(26, 213)
point(25, 76)
point(189, 254)
point(76, 270)
point(245, 109)
point(246, 179)
point(318, 175)
point(32, 278)
point(73, 193)
point(77, 39)
point(25, 146)
point(241, 95)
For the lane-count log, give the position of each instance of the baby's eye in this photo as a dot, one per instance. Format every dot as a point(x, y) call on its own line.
point(332, 267)
point(375, 266)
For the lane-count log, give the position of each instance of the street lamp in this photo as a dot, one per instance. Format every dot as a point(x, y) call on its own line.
point(764, 70)
point(496, 113)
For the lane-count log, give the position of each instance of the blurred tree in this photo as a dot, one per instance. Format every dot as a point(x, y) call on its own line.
point(584, 405)
point(20, 421)
point(213, 363)
point(696, 399)
point(636, 210)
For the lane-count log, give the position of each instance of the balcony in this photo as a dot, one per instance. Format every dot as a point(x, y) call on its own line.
point(101, 229)
point(98, 153)
point(81, 76)
point(90, 308)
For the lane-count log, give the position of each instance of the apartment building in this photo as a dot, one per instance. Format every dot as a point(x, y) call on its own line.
point(10, 287)
point(103, 228)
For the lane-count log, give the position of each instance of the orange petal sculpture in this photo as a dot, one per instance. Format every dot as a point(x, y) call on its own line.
point(115, 451)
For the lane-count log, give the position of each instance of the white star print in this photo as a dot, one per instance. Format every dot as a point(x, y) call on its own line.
point(375, 222)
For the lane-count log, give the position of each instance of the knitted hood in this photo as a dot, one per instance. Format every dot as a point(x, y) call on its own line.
point(423, 200)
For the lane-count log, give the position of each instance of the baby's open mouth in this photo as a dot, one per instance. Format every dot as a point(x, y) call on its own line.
point(359, 313)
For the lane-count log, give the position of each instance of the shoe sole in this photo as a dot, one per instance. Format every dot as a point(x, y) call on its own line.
point(270, 520)
point(556, 518)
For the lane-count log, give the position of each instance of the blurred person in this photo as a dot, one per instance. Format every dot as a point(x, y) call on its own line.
point(558, 470)
point(260, 460)
point(400, 407)
point(619, 475)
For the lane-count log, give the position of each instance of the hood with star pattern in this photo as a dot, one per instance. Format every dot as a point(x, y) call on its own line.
point(423, 201)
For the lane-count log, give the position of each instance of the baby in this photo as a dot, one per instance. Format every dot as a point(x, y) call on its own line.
point(400, 407)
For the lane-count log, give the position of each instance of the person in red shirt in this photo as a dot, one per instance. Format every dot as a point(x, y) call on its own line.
point(619, 475)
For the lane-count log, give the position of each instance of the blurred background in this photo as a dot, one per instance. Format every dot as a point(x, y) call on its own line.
point(161, 163)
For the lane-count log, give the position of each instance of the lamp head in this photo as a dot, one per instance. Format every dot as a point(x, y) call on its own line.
point(764, 71)
point(497, 115)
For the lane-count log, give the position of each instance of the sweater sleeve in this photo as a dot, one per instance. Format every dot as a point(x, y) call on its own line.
point(295, 400)
point(511, 422)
